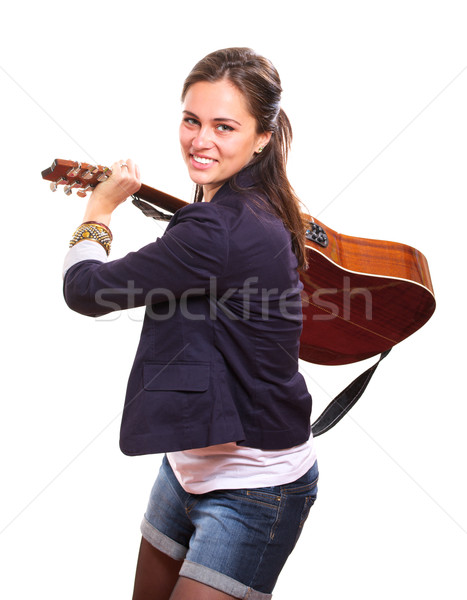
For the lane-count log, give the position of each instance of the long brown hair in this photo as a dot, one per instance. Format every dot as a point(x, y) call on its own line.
point(259, 82)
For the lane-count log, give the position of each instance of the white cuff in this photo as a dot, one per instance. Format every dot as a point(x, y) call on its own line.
point(85, 250)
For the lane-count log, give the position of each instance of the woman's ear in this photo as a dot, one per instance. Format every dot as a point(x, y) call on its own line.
point(263, 141)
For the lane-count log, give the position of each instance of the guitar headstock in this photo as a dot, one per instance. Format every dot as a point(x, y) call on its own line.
point(82, 177)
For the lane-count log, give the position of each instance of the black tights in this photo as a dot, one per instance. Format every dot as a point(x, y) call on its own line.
point(157, 578)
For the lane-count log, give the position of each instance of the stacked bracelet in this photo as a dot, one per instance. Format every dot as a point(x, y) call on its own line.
point(91, 230)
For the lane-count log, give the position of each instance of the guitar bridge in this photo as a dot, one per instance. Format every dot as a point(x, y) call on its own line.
point(315, 233)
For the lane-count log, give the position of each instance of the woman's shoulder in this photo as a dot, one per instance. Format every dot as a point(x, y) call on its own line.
point(244, 194)
point(240, 204)
point(197, 212)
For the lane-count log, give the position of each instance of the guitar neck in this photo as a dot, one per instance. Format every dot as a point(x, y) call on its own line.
point(84, 177)
point(160, 199)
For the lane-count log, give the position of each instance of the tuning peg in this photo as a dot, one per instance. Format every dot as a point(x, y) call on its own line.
point(69, 188)
point(105, 175)
point(82, 193)
point(54, 184)
point(89, 173)
point(74, 171)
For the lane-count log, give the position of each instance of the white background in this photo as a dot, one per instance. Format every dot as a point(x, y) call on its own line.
point(377, 95)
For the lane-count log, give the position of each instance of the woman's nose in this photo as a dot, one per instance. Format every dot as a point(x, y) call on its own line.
point(203, 138)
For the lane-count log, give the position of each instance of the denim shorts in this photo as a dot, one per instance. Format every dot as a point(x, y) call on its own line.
point(236, 541)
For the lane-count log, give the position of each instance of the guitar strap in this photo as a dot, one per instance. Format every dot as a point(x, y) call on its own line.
point(149, 210)
point(344, 401)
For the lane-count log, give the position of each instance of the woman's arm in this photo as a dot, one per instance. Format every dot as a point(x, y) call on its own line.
point(181, 263)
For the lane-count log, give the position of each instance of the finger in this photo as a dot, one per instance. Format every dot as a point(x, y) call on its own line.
point(116, 168)
point(125, 176)
point(133, 171)
point(131, 166)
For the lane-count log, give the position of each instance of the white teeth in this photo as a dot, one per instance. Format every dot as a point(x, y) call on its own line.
point(203, 161)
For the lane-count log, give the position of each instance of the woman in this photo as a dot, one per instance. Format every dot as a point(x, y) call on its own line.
point(215, 382)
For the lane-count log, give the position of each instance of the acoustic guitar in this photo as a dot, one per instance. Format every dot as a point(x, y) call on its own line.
point(360, 297)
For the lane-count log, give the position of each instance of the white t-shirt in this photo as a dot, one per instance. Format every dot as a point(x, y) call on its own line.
point(228, 466)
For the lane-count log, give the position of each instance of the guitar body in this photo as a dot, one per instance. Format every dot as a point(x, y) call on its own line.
point(360, 296)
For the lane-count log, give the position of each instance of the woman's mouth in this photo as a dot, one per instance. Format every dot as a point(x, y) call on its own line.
point(201, 161)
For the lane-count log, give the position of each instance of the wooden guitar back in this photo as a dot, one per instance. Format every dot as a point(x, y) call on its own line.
point(361, 297)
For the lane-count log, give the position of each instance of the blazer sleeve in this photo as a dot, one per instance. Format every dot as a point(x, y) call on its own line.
point(192, 251)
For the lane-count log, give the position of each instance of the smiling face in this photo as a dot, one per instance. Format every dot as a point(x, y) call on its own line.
point(218, 134)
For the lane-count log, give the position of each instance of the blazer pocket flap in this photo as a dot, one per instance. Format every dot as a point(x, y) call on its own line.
point(180, 377)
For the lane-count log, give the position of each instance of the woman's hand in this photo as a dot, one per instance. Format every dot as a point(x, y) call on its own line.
point(124, 181)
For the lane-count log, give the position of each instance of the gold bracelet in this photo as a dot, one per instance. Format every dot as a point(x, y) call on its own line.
point(91, 230)
point(101, 225)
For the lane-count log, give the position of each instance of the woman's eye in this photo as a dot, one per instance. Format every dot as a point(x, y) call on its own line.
point(190, 121)
point(224, 127)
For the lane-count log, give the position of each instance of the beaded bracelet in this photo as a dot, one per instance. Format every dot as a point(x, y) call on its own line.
point(91, 230)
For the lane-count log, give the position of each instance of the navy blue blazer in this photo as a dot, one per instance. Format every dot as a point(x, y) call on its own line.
point(217, 360)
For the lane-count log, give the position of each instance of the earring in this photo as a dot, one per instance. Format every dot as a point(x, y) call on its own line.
point(260, 149)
